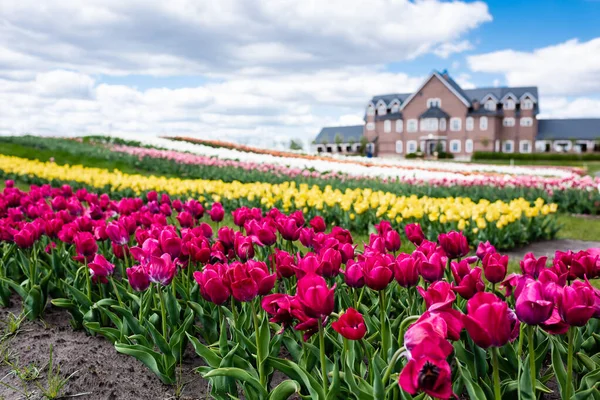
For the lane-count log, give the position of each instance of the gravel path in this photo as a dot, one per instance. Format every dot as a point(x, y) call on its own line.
point(547, 248)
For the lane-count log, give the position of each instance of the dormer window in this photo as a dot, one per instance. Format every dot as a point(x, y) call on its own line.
point(435, 102)
point(490, 105)
point(509, 104)
point(381, 110)
point(527, 104)
point(395, 108)
point(370, 110)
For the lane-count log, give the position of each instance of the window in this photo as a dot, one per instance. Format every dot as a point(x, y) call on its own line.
point(508, 121)
point(508, 146)
point(483, 123)
point(411, 146)
point(455, 124)
point(399, 125)
point(455, 146)
point(497, 145)
point(469, 123)
point(527, 104)
point(469, 146)
point(543, 146)
point(526, 121)
point(429, 124)
point(387, 126)
point(411, 125)
point(490, 105)
point(509, 104)
point(399, 146)
point(442, 124)
point(370, 110)
point(435, 102)
point(382, 110)
point(370, 126)
point(525, 146)
point(395, 108)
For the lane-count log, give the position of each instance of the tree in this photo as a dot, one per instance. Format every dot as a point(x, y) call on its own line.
point(296, 145)
point(339, 139)
point(485, 143)
point(363, 145)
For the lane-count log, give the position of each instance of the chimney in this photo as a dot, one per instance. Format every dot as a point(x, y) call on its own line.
point(475, 105)
point(445, 74)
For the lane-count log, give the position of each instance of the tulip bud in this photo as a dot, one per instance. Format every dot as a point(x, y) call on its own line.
point(350, 325)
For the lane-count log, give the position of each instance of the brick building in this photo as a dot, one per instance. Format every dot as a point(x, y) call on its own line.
point(441, 116)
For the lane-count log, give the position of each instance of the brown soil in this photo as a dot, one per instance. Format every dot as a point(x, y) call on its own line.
point(99, 371)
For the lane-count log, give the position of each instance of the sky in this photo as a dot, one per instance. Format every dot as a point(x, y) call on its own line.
point(265, 71)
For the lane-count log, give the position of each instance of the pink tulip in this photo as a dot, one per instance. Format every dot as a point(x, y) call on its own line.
point(531, 266)
point(531, 307)
point(454, 243)
point(161, 269)
point(100, 269)
point(495, 267)
point(138, 278)
point(315, 296)
point(489, 321)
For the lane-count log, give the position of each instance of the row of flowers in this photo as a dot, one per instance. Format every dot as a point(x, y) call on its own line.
point(507, 223)
point(281, 293)
point(572, 194)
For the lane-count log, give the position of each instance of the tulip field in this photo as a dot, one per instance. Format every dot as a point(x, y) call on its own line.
point(281, 283)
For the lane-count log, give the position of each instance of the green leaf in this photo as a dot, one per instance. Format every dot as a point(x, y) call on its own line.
point(264, 338)
point(334, 389)
point(589, 364)
point(590, 380)
point(284, 390)
point(558, 367)
point(34, 303)
point(295, 372)
point(79, 296)
point(16, 287)
point(173, 308)
point(239, 375)
point(111, 334)
point(159, 340)
point(474, 390)
point(150, 358)
point(378, 389)
point(209, 356)
point(524, 387)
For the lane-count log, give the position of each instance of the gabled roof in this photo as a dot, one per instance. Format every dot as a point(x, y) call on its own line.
point(434, 112)
point(329, 133)
point(499, 92)
point(448, 82)
point(566, 129)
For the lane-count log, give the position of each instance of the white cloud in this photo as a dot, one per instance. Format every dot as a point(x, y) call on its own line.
point(563, 107)
point(445, 50)
point(565, 69)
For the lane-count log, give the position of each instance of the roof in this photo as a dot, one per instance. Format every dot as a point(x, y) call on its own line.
point(434, 112)
point(329, 133)
point(575, 128)
point(392, 116)
point(500, 92)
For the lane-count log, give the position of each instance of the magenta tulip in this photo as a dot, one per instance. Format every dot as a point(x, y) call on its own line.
point(489, 321)
point(100, 269)
point(406, 271)
point(211, 284)
point(318, 224)
point(353, 275)
point(138, 278)
point(495, 267)
point(161, 269)
point(454, 243)
point(531, 266)
point(315, 296)
point(378, 271)
point(439, 296)
point(576, 304)
point(483, 249)
point(431, 375)
point(350, 325)
point(531, 307)
point(414, 234)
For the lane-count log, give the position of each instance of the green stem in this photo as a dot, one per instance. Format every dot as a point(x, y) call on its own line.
point(259, 349)
point(497, 394)
point(532, 373)
point(163, 311)
point(322, 351)
point(384, 339)
point(88, 281)
point(114, 285)
point(390, 367)
point(570, 363)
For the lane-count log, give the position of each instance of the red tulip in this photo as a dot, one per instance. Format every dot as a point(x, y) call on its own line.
point(414, 234)
point(469, 284)
point(378, 271)
point(216, 212)
point(531, 266)
point(431, 267)
point(531, 307)
point(138, 278)
point(161, 269)
point(576, 304)
point(495, 267)
point(430, 374)
point(483, 249)
point(85, 245)
point(392, 241)
point(314, 295)
point(244, 248)
point(584, 265)
point(439, 296)
point(285, 263)
point(430, 331)
point(454, 243)
point(288, 228)
point(279, 306)
point(353, 275)
point(350, 325)
point(265, 281)
point(186, 220)
point(100, 269)
point(406, 270)
point(489, 321)
point(318, 224)
point(211, 284)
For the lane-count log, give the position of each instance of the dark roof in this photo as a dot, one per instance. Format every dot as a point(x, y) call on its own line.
point(455, 85)
point(434, 112)
point(389, 97)
point(329, 133)
point(575, 128)
point(392, 116)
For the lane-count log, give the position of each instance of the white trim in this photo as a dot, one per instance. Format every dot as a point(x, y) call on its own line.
point(507, 102)
point(527, 94)
point(410, 122)
point(455, 142)
point(370, 110)
point(452, 125)
point(387, 126)
point(522, 143)
point(399, 126)
point(540, 145)
point(511, 95)
point(524, 103)
point(370, 126)
point(469, 146)
point(399, 148)
point(381, 108)
point(434, 73)
point(512, 146)
point(442, 124)
point(437, 100)
point(469, 123)
point(395, 107)
point(491, 96)
point(526, 119)
point(380, 103)
point(558, 148)
point(494, 105)
point(429, 125)
point(481, 125)
point(410, 144)
point(508, 122)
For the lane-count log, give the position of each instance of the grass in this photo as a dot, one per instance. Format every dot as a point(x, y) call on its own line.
point(591, 166)
point(579, 228)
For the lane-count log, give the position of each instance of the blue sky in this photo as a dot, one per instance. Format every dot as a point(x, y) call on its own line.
point(259, 71)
